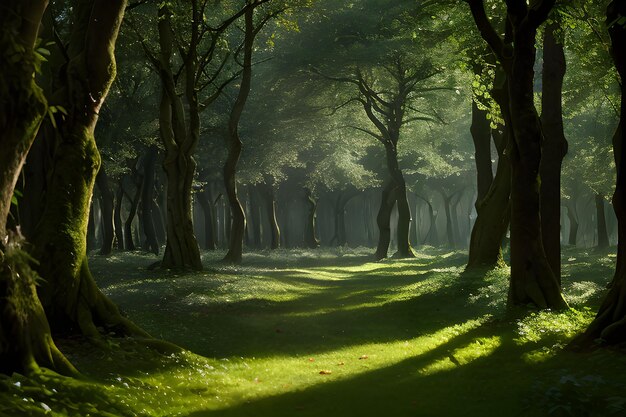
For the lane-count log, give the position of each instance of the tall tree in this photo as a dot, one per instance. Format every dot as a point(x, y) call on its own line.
point(554, 146)
point(25, 337)
point(532, 279)
point(609, 324)
point(68, 291)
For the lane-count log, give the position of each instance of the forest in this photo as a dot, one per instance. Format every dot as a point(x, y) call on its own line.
point(312, 208)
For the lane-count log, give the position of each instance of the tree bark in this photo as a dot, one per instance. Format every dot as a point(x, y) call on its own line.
point(494, 210)
point(181, 250)
point(147, 201)
point(25, 337)
point(603, 236)
point(532, 279)
point(129, 243)
point(554, 146)
point(205, 199)
point(235, 248)
point(106, 208)
point(572, 216)
point(449, 227)
point(117, 217)
point(481, 135)
point(270, 208)
point(68, 292)
point(383, 219)
point(310, 239)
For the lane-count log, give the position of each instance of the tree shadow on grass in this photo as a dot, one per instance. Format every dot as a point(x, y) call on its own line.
point(434, 383)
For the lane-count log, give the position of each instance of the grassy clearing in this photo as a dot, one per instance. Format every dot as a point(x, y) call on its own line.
point(303, 333)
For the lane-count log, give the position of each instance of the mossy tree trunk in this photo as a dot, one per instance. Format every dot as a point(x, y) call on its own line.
point(481, 136)
point(117, 217)
point(68, 292)
point(25, 337)
point(532, 280)
point(554, 147)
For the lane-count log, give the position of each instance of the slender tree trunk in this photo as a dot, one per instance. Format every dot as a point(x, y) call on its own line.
point(117, 217)
point(383, 219)
point(92, 239)
point(573, 224)
point(147, 201)
point(206, 202)
point(106, 208)
point(235, 248)
point(129, 243)
point(603, 237)
point(449, 230)
point(68, 292)
point(481, 135)
point(554, 146)
point(270, 209)
point(310, 239)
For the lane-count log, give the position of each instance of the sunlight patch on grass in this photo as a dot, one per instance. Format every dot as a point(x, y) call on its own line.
point(557, 327)
point(478, 348)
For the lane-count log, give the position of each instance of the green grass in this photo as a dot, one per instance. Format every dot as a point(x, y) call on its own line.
point(331, 333)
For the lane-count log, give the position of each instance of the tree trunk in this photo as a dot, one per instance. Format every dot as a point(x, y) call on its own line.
point(383, 219)
point(206, 202)
point(310, 239)
point(394, 192)
point(92, 238)
point(106, 208)
point(609, 325)
point(270, 209)
point(494, 210)
point(117, 217)
point(449, 230)
point(181, 249)
point(25, 339)
point(481, 135)
point(532, 279)
point(494, 214)
point(554, 146)
point(255, 216)
point(68, 292)
point(147, 201)
point(235, 248)
point(603, 237)
point(573, 224)
point(129, 243)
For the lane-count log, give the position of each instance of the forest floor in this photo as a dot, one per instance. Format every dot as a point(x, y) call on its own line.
point(332, 333)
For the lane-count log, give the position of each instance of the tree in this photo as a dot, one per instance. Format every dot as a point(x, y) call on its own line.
point(68, 292)
point(532, 279)
point(609, 324)
point(25, 337)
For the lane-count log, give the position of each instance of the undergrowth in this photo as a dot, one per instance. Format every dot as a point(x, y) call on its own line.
point(330, 332)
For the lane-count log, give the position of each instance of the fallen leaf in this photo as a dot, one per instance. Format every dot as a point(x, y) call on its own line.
point(311, 360)
point(364, 357)
point(325, 372)
point(341, 364)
